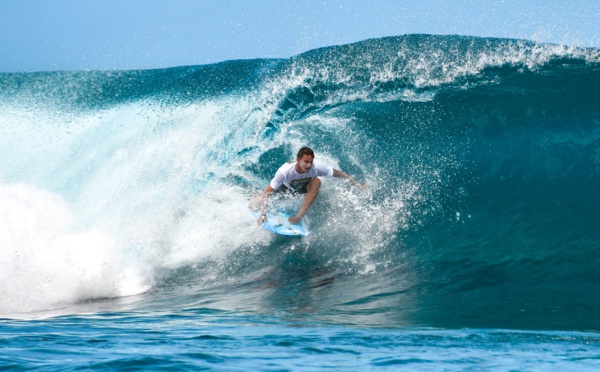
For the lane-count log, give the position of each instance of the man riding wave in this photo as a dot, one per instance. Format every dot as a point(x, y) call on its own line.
point(300, 177)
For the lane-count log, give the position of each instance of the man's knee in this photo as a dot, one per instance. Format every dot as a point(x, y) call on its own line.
point(314, 185)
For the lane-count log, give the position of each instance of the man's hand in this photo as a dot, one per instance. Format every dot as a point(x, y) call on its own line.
point(259, 202)
point(261, 219)
point(294, 220)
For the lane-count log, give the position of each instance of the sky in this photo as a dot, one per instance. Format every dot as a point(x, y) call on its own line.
point(44, 35)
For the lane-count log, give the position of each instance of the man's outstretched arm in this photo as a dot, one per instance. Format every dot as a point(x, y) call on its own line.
point(344, 175)
point(260, 202)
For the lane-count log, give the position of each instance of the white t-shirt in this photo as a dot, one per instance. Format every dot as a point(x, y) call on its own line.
point(287, 175)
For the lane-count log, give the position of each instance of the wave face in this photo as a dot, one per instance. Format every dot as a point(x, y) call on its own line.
point(482, 156)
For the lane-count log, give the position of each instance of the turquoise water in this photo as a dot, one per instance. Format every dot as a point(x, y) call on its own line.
point(127, 244)
point(204, 339)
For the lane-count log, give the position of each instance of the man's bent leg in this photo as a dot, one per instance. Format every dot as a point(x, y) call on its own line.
point(312, 191)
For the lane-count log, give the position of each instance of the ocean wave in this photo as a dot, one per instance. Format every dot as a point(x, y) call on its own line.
point(482, 157)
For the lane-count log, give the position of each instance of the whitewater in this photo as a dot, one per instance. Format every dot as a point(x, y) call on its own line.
point(126, 241)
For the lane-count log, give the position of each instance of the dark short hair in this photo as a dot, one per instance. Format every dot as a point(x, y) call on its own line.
point(305, 151)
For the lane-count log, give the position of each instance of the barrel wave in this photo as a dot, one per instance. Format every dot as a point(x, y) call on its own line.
point(482, 158)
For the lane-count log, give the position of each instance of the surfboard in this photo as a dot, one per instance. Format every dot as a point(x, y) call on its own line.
point(277, 222)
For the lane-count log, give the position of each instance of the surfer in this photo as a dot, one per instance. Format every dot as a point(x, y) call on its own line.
point(300, 177)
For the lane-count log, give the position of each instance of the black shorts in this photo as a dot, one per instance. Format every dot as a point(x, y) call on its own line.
point(284, 189)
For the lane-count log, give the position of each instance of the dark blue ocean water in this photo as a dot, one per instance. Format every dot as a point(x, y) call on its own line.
point(126, 243)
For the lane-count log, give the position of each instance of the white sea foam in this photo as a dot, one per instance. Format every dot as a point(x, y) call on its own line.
point(48, 260)
point(119, 194)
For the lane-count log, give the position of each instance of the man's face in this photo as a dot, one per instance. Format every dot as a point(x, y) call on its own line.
point(303, 164)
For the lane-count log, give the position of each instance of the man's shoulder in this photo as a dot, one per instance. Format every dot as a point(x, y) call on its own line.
point(322, 169)
point(286, 167)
